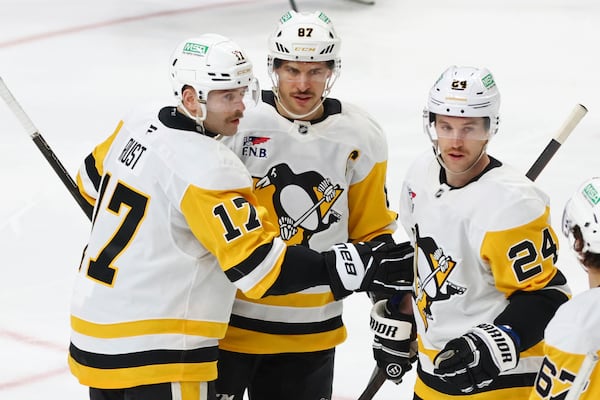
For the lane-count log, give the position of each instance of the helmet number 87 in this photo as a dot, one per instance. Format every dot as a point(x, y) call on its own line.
point(305, 32)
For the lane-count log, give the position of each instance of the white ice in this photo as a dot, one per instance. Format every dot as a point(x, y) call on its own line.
point(76, 66)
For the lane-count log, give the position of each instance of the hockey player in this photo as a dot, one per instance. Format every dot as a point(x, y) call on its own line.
point(319, 167)
point(486, 283)
point(572, 338)
point(171, 234)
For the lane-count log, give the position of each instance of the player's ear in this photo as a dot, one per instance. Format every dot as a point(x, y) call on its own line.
point(189, 99)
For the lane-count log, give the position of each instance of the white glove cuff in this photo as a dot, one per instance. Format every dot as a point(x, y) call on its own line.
point(502, 346)
point(388, 328)
point(348, 265)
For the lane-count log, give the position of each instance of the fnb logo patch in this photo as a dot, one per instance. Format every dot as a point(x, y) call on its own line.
point(250, 148)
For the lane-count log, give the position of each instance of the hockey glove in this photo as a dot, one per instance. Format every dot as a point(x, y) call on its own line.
point(475, 359)
point(369, 266)
point(393, 337)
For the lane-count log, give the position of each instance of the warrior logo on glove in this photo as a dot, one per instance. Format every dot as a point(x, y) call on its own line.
point(475, 359)
point(394, 337)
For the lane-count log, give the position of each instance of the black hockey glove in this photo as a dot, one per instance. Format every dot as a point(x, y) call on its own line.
point(475, 359)
point(394, 334)
point(369, 266)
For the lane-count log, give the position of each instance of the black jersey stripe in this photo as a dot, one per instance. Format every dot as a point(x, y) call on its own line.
point(143, 358)
point(250, 263)
point(92, 172)
point(285, 328)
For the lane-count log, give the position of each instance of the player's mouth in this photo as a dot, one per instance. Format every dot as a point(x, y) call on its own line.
point(302, 99)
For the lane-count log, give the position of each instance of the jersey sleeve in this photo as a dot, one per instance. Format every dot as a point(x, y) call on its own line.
point(571, 351)
point(560, 369)
point(232, 226)
point(91, 171)
point(522, 260)
point(523, 257)
point(370, 215)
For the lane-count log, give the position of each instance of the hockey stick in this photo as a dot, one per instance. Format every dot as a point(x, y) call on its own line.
point(375, 382)
point(378, 377)
point(582, 376)
point(559, 138)
point(39, 141)
point(293, 5)
point(367, 2)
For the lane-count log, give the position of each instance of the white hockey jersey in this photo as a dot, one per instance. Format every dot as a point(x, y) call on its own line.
point(175, 223)
point(475, 247)
point(322, 182)
point(572, 336)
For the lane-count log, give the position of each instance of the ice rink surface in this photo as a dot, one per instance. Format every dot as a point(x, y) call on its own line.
point(77, 66)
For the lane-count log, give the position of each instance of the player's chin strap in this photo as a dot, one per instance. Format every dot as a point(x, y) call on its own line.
point(198, 118)
point(275, 80)
point(438, 155)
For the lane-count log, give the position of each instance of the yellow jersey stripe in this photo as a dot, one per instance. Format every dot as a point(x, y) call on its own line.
point(119, 378)
point(149, 327)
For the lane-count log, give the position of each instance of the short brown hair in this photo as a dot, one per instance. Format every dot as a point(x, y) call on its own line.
point(588, 259)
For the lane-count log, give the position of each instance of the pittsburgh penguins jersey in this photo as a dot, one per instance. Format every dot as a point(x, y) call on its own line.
point(170, 234)
point(571, 350)
point(322, 182)
point(485, 253)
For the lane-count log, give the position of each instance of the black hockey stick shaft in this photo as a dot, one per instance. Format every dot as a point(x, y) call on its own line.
point(293, 5)
point(375, 382)
point(44, 148)
point(559, 138)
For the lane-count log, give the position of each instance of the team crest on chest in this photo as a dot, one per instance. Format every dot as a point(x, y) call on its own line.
point(431, 283)
point(303, 203)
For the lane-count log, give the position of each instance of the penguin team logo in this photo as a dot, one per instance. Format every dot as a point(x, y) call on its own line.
point(431, 283)
point(250, 149)
point(303, 203)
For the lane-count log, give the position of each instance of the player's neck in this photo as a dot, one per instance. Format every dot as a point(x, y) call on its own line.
point(593, 277)
point(460, 179)
point(285, 111)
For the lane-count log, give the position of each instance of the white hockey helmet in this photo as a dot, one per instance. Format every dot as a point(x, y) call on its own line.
point(463, 92)
point(211, 62)
point(306, 37)
point(583, 210)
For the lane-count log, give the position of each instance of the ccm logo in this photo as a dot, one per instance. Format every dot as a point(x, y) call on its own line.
point(311, 49)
